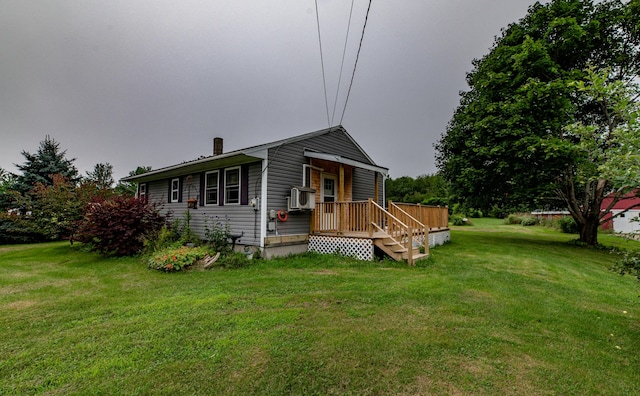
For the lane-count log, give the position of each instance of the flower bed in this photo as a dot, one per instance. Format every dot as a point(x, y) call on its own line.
point(176, 259)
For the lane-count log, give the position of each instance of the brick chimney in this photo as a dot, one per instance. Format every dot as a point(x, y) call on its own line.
point(217, 146)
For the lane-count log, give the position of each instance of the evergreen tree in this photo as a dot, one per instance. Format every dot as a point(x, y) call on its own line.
point(40, 167)
point(101, 176)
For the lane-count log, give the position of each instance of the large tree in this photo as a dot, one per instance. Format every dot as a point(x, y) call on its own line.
point(424, 189)
point(128, 188)
point(508, 143)
point(40, 167)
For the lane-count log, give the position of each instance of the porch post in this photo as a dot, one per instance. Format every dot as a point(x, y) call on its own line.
point(370, 217)
point(341, 184)
point(263, 200)
point(375, 189)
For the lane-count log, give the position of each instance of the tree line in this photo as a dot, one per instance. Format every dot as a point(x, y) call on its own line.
point(47, 198)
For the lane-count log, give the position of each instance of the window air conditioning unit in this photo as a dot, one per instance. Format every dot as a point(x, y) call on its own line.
point(302, 198)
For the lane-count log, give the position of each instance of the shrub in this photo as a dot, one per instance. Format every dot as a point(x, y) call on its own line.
point(15, 229)
point(165, 238)
point(628, 264)
point(435, 201)
point(529, 221)
point(456, 209)
point(460, 220)
point(567, 225)
point(119, 225)
point(475, 213)
point(183, 229)
point(513, 219)
point(176, 259)
point(497, 212)
point(217, 234)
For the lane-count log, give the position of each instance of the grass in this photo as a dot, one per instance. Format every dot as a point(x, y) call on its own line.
point(501, 309)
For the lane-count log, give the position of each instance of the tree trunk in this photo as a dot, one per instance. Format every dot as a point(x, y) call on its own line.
point(589, 231)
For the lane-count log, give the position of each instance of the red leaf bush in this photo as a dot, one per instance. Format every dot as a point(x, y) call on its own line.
point(119, 225)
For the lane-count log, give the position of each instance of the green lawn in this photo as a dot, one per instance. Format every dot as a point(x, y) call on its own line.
point(500, 310)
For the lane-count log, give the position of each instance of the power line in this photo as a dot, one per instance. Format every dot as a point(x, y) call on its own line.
point(356, 63)
point(324, 80)
point(344, 51)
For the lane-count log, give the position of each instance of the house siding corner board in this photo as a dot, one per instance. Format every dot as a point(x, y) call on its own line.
point(241, 218)
point(285, 172)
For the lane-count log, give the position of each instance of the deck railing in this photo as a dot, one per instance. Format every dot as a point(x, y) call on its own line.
point(434, 217)
point(366, 217)
point(341, 217)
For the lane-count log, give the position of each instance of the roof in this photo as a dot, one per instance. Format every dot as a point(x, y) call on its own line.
point(245, 155)
point(631, 199)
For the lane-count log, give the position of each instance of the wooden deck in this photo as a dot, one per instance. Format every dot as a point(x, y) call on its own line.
point(399, 231)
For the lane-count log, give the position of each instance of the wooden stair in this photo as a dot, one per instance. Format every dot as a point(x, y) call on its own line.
point(397, 251)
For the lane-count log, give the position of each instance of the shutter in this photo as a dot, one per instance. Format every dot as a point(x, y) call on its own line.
point(244, 184)
point(180, 188)
point(202, 187)
point(221, 187)
point(169, 192)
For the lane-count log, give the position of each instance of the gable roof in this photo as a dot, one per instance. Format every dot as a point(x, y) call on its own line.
point(245, 155)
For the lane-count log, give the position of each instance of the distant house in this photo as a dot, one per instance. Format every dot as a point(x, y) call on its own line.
point(550, 215)
point(318, 191)
point(617, 221)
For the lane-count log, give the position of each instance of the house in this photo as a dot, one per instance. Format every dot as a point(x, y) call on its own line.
point(616, 220)
point(550, 215)
point(318, 191)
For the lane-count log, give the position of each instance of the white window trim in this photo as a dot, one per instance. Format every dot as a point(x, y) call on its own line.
point(175, 191)
point(226, 185)
point(142, 190)
point(206, 177)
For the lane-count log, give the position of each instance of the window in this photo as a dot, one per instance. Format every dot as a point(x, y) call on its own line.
point(328, 189)
point(232, 186)
point(175, 190)
point(211, 188)
point(142, 190)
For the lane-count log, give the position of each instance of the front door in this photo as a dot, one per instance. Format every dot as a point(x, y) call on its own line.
point(328, 196)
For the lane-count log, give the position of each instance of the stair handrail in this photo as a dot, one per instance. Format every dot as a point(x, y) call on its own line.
point(404, 229)
point(415, 223)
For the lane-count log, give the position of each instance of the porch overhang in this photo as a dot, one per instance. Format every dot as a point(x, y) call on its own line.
point(346, 161)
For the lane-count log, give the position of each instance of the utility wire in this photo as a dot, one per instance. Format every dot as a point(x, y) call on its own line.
point(344, 51)
point(324, 80)
point(356, 63)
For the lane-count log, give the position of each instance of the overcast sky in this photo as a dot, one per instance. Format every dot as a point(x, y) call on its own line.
point(134, 82)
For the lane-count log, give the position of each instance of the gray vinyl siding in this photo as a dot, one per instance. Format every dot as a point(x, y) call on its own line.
point(241, 218)
point(285, 172)
point(364, 185)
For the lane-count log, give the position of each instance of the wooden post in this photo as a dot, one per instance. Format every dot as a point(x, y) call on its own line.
point(312, 224)
point(410, 246)
point(426, 240)
point(341, 184)
point(370, 217)
point(375, 188)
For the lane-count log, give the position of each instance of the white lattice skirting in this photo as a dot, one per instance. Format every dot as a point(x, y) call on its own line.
point(362, 249)
point(439, 238)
